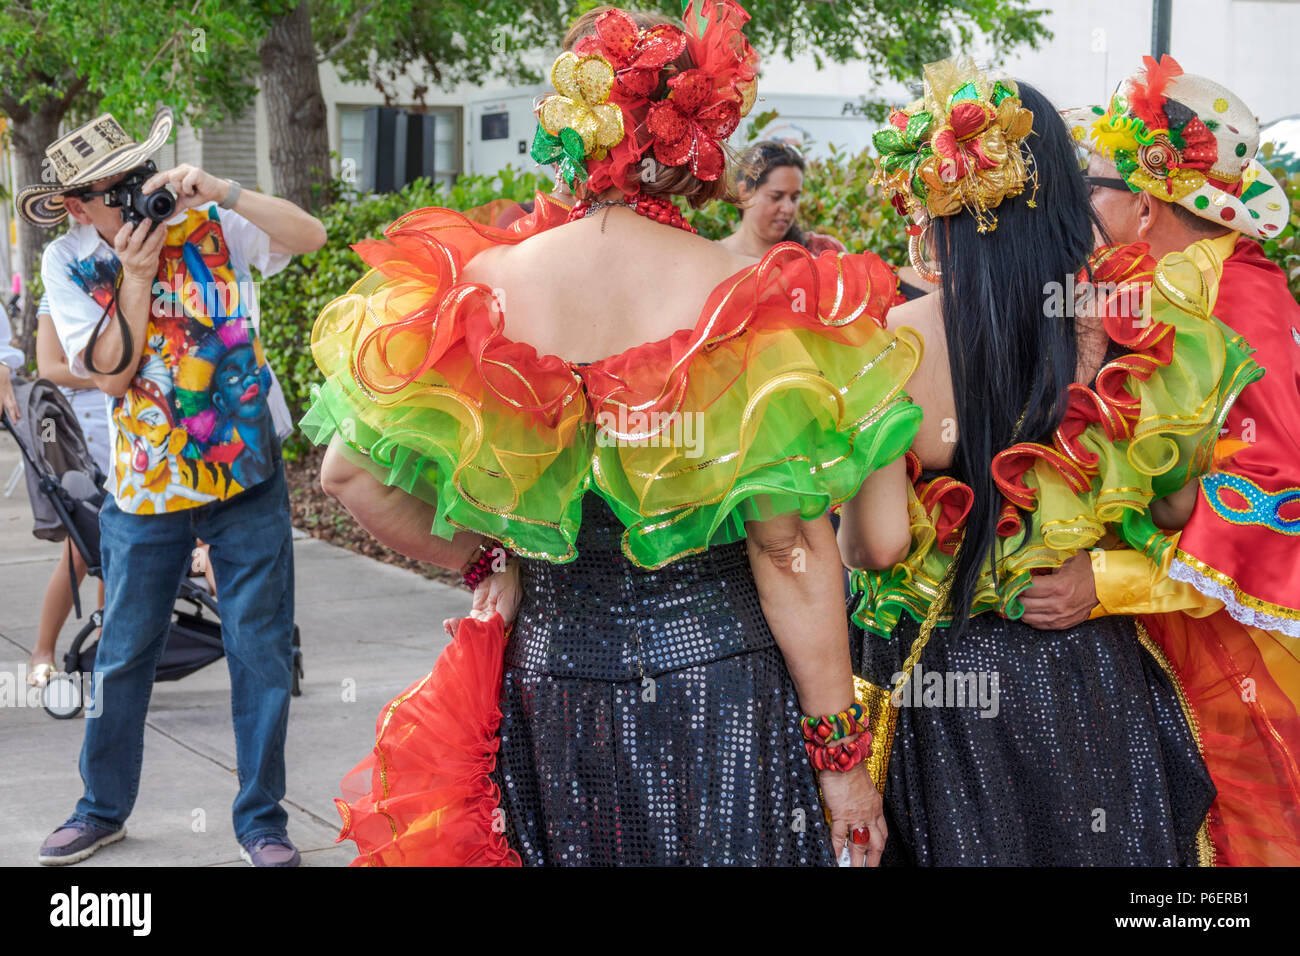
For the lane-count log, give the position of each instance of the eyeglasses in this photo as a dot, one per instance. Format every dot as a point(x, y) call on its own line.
point(138, 175)
point(94, 194)
point(1106, 182)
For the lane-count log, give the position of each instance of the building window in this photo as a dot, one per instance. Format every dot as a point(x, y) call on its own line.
point(354, 149)
point(494, 126)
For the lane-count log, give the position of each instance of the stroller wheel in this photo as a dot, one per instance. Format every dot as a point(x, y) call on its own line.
point(62, 696)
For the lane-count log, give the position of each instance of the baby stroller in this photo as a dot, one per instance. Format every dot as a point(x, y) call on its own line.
point(66, 489)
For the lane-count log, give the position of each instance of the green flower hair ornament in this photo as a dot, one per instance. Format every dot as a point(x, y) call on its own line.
point(566, 151)
point(906, 148)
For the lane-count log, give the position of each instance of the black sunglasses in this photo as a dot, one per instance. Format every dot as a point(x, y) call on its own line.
point(1106, 182)
point(139, 174)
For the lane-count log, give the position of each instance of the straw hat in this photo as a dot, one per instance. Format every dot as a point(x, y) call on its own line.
point(99, 150)
point(1186, 139)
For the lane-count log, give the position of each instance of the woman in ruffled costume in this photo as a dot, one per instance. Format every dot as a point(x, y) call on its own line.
point(650, 518)
point(1014, 746)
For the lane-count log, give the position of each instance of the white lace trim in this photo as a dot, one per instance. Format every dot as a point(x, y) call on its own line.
point(1181, 571)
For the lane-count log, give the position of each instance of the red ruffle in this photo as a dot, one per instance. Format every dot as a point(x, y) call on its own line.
point(423, 797)
point(1109, 403)
point(1250, 734)
point(716, 43)
point(459, 329)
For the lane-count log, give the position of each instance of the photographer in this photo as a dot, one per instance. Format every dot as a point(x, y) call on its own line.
point(151, 294)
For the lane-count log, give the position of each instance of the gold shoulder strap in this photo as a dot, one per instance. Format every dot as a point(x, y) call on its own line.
point(880, 703)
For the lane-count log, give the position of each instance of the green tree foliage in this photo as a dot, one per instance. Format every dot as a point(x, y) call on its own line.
point(68, 59)
point(1284, 249)
point(453, 42)
point(93, 56)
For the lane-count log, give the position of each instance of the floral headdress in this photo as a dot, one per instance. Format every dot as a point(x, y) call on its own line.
point(1186, 139)
point(957, 147)
point(619, 99)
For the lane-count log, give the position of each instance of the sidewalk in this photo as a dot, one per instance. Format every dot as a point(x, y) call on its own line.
point(368, 631)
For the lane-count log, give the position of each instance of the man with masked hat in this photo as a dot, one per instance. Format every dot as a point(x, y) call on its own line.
point(154, 269)
point(1172, 161)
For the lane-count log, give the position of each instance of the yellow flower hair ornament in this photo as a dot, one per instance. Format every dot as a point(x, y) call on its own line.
point(578, 122)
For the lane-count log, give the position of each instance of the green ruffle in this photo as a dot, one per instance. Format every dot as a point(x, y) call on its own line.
point(419, 448)
point(796, 464)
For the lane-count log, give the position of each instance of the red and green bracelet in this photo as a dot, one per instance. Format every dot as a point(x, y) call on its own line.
point(839, 757)
point(479, 569)
point(826, 730)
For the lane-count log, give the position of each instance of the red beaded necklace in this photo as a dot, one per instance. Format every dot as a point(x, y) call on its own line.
point(657, 208)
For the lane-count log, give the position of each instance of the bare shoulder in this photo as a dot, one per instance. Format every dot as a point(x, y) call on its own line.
point(720, 258)
point(485, 267)
point(931, 384)
point(923, 314)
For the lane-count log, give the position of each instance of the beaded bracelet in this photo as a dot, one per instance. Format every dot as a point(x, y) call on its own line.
point(483, 566)
point(839, 757)
point(825, 730)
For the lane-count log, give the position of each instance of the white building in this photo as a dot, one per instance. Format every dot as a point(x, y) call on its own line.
point(1248, 45)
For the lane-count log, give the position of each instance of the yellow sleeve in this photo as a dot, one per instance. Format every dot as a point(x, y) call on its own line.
point(1128, 582)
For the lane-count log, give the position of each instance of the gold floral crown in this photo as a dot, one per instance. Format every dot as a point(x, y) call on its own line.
point(959, 146)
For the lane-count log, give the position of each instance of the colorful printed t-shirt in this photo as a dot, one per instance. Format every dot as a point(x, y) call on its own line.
point(197, 423)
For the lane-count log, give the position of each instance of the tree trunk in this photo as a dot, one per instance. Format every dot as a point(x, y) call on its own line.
point(295, 109)
point(31, 135)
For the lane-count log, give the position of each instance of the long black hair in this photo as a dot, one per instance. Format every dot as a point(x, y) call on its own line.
point(757, 163)
point(1010, 360)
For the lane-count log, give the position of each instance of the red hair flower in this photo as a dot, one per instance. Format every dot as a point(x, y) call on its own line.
point(687, 126)
point(716, 43)
point(637, 55)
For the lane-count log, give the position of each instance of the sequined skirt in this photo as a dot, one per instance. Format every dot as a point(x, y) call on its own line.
point(648, 717)
point(1040, 748)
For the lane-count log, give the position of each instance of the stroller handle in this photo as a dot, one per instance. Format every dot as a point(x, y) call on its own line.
point(52, 491)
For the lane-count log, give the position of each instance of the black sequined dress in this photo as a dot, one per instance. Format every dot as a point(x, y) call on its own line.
point(1077, 754)
point(648, 716)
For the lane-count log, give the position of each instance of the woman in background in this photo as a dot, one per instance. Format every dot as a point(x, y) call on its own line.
point(769, 184)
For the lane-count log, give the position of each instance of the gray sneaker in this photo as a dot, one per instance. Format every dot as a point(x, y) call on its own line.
point(269, 851)
point(74, 841)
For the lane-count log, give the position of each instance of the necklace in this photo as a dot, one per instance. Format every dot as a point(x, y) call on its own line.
point(656, 208)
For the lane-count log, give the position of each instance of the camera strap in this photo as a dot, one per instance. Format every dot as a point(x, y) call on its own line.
point(128, 340)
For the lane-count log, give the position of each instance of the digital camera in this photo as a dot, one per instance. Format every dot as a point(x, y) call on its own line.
point(137, 206)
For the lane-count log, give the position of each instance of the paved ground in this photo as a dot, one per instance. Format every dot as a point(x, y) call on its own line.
point(368, 630)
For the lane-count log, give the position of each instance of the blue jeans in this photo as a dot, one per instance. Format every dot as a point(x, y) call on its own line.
point(144, 558)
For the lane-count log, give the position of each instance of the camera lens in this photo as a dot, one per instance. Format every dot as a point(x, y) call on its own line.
point(159, 205)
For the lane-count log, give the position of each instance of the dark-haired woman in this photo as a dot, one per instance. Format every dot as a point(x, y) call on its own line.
point(769, 182)
point(1013, 746)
